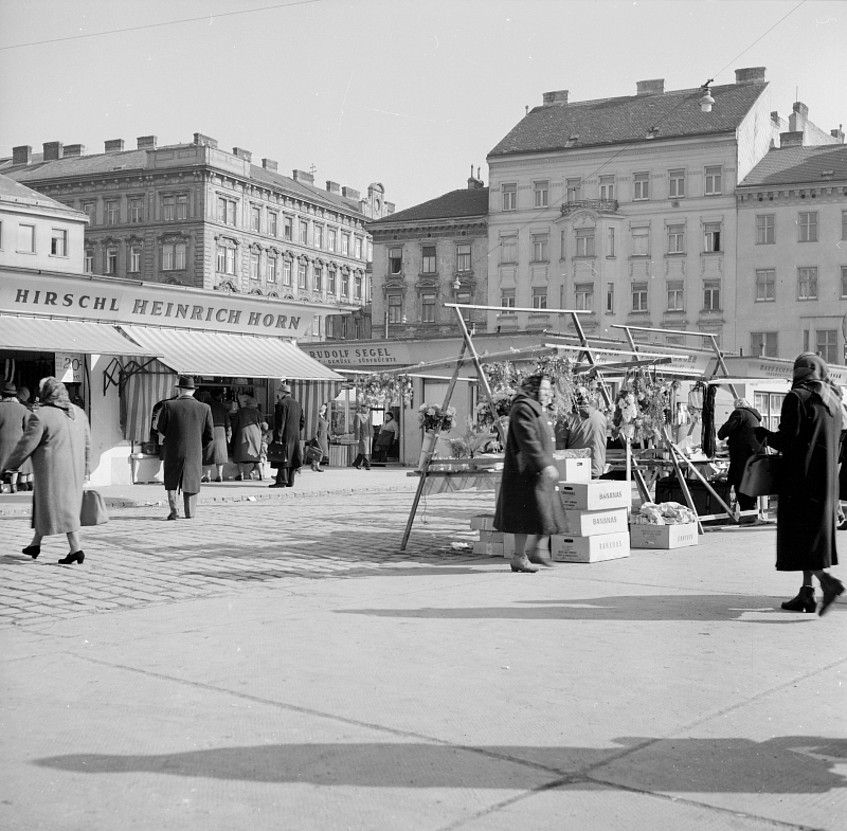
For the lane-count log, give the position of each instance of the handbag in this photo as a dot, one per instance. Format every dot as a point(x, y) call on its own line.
point(278, 453)
point(761, 475)
point(93, 510)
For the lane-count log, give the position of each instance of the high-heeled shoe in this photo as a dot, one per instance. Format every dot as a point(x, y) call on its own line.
point(521, 563)
point(73, 557)
point(32, 550)
point(803, 602)
point(832, 589)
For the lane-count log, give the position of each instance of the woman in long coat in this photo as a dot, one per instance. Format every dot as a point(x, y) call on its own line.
point(528, 506)
point(13, 419)
point(808, 436)
point(57, 439)
point(223, 433)
point(322, 432)
point(740, 432)
point(247, 429)
point(364, 432)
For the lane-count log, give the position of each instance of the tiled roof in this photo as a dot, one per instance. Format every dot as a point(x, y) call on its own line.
point(452, 205)
point(304, 189)
point(800, 165)
point(12, 191)
point(629, 118)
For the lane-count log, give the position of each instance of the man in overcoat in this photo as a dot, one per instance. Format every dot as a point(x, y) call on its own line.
point(189, 432)
point(289, 422)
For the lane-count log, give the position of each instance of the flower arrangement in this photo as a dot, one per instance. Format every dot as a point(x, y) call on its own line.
point(641, 405)
point(435, 418)
point(502, 400)
point(380, 388)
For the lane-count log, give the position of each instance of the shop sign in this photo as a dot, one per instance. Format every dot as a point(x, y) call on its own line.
point(359, 354)
point(69, 367)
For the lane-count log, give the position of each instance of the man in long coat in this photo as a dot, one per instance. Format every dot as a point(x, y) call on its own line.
point(13, 419)
point(289, 422)
point(189, 432)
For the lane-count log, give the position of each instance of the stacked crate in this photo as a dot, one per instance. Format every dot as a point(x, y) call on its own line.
point(491, 543)
point(596, 516)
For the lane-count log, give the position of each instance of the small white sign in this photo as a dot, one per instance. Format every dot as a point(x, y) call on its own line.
point(69, 367)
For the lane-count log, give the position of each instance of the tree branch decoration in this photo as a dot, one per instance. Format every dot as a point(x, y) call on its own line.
point(381, 388)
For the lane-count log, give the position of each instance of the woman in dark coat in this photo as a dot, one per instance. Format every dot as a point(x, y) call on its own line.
point(528, 505)
point(808, 435)
point(247, 429)
point(739, 431)
point(13, 419)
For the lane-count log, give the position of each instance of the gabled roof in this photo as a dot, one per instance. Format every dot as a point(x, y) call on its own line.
point(456, 204)
point(17, 194)
point(800, 165)
point(629, 118)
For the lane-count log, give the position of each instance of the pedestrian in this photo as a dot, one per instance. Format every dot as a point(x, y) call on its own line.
point(527, 505)
point(223, 434)
point(385, 438)
point(189, 432)
point(739, 430)
point(363, 431)
point(288, 424)
point(247, 429)
point(58, 441)
point(312, 455)
point(585, 428)
point(808, 436)
point(322, 432)
point(13, 419)
point(25, 472)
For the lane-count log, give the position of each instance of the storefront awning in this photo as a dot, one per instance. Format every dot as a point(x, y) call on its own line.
point(230, 356)
point(38, 334)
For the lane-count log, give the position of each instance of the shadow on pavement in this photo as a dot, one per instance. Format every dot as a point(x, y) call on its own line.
point(782, 765)
point(383, 569)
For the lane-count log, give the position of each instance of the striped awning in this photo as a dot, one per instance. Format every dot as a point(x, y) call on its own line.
point(40, 334)
point(191, 352)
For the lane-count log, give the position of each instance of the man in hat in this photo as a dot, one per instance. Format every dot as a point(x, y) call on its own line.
point(586, 428)
point(289, 422)
point(13, 419)
point(189, 431)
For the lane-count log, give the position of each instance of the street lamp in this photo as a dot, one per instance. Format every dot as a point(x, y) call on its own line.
point(706, 100)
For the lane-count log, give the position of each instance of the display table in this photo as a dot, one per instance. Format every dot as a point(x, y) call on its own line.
point(446, 481)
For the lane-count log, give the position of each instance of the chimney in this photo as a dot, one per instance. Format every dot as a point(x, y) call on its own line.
point(302, 176)
point(557, 96)
point(655, 86)
point(73, 150)
point(114, 146)
point(242, 154)
point(205, 141)
point(52, 150)
point(146, 142)
point(350, 193)
point(333, 187)
point(22, 154)
point(750, 75)
point(270, 164)
point(837, 134)
point(794, 138)
point(799, 117)
point(473, 181)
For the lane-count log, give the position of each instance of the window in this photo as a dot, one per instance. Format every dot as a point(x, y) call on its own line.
point(507, 298)
point(712, 237)
point(539, 298)
point(676, 239)
point(607, 188)
point(539, 247)
point(585, 242)
point(370, 251)
point(173, 256)
point(807, 283)
point(611, 241)
point(26, 239)
point(345, 245)
point(302, 276)
point(509, 249)
point(676, 183)
point(676, 299)
point(318, 278)
point(807, 223)
point(225, 258)
point(711, 296)
point(584, 293)
point(640, 242)
point(182, 206)
point(330, 239)
point(843, 224)
point(428, 307)
point(316, 326)
point(273, 223)
point(763, 344)
point(843, 282)
point(428, 259)
point(227, 210)
point(827, 344)
point(136, 209)
point(463, 258)
point(168, 208)
point(572, 190)
point(59, 243)
point(510, 197)
point(332, 282)
point(255, 219)
point(345, 291)
point(765, 285)
point(357, 248)
point(286, 272)
point(303, 237)
point(287, 228)
point(395, 308)
point(134, 257)
point(642, 186)
point(639, 297)
point(254, 266)
point(273, 265)
point(541, 190)
point(318, 236)
point(111, 260)
point(610, 297)
point(90, 209)
point(357, 287)
point(713, 176)
point(395, 260)
point(765, 224)
point(89, 261)
point(112, 212)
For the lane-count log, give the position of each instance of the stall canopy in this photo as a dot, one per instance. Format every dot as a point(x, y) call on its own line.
point(30, 334)
point(229, 356)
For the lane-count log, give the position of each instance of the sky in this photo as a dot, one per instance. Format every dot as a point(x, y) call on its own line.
point(407, 93)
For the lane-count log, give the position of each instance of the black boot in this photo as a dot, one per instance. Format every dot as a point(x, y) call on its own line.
point(804, 602)
point(832, 590)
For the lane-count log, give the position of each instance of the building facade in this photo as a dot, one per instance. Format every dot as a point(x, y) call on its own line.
point(428, 255)
point(625, 208)
point(792, 259)
point(198, 216)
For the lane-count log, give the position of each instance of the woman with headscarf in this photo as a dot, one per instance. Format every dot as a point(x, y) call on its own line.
point(247, 429)
point(808, 435)
point(57, 439)
point(739, 432)
point(527, 505)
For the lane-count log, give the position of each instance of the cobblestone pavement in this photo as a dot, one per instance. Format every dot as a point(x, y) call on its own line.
point(138, 558)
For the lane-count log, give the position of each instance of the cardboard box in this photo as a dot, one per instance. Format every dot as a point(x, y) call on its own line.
point(590, 523)
point(489, 549)
point(589, 549)
point(491, 536)
point(664, 536)
point(574, 470)
point(596, 495)
point(481, 522)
